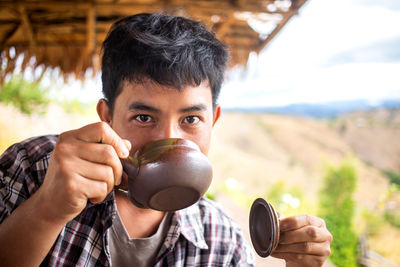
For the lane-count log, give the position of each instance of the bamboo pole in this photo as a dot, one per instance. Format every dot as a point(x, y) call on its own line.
point(27, 26)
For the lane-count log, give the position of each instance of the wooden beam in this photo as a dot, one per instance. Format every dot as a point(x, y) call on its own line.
point(7, 36)
point(241, 3)
point(46, 5)
point(294, 9)
point(27, 27)
point(272, 34)
point(91, 30)
point(216, 7)
point(49, 44)
point(91, 44)
point(53, 25)
point(226, 26)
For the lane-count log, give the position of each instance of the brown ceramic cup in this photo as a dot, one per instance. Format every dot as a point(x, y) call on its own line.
point(167, 174)
point(264, 227)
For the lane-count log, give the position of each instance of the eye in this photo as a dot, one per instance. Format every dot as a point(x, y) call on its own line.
point(143, 118)
point(191, 119)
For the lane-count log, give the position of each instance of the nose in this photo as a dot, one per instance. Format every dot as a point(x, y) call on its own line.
point(170, 130)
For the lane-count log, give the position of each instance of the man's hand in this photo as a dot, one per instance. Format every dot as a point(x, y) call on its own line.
point(304, 241)
point(84, 165)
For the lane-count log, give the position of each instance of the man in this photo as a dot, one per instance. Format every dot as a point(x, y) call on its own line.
point(59, 203)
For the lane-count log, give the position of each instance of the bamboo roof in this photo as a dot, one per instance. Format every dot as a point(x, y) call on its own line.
point(68, 34)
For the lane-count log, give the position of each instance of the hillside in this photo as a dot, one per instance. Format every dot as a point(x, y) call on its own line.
point(262, 149)
point(259, 151)
point(373, 135)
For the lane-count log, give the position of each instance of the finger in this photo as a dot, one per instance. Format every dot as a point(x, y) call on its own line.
point(310, 248)
point(301, 260)
point(127, 144)
point(101, 132)
point(95, 191)
point(97, 172)
point(124, 182)
point(101, 154)
point(280, 215)
point(305, 234)
point(299, 221)
point(80, 189)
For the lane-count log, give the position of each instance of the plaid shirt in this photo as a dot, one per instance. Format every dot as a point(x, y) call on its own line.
point(201, 235)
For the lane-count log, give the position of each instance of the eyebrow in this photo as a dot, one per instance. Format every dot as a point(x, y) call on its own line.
point(137, 105)
point(140, 106)
point(199, 107)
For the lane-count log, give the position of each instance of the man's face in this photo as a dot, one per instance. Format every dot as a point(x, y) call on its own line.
point(149, 111)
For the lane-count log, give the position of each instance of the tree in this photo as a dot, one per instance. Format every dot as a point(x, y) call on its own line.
point(337, 209)
point(27, 96)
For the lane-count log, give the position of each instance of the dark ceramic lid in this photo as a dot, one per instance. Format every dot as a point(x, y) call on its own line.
point(264, 227)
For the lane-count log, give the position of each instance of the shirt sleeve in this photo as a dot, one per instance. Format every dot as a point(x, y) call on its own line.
point(22, 170)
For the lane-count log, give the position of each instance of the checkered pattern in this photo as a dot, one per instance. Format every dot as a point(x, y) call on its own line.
point(201, 235)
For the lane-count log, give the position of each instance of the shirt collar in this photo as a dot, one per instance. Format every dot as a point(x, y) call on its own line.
point(190, 225)
point(106, 208)
point(186, 222)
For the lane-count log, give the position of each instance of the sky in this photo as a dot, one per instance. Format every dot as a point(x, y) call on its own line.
point(331, 51)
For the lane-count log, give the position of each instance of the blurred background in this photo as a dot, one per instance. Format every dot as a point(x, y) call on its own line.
point(311, 103)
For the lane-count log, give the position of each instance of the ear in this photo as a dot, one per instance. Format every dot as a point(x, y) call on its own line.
point(217, 114)
point(104, 111)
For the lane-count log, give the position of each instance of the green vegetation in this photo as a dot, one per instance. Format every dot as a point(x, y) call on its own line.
point(210, 195)
point(288, 200)
point(392, 218)
point(337, 209)
point(372, 222)
point(235, 191)
point(27, 96)
point(392, 214)
point(394, 177)
point(74, 106)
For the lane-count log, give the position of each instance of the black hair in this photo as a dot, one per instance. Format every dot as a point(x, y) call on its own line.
point(171, 51)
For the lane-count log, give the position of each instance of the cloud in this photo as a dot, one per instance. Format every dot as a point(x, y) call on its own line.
point(369, 81)
point(334, 50)
point(390, 4)
point(380, 51)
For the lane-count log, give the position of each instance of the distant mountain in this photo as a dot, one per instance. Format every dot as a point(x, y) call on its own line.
point(323, 110)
